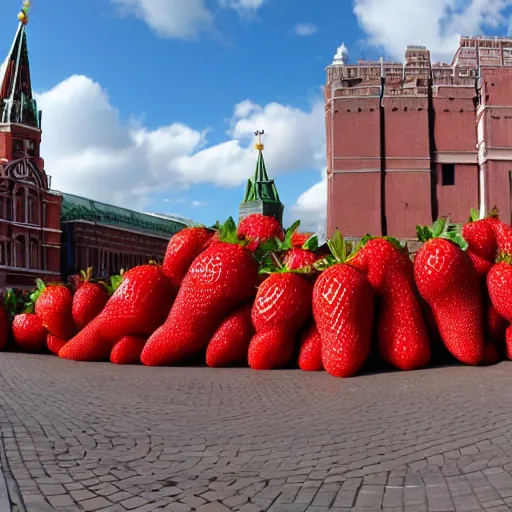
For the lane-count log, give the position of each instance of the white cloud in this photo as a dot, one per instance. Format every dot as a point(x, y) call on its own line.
point(182, 19)
point(88, 150)
point(305, 29)
point(438, 24)
point(170, 18)
point(198, 204)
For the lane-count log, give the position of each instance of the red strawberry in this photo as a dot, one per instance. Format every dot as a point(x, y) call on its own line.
point(138, 306)
point(310, 356)
point(402, 335)
point(508, 342)
point(480, 234)
point(89, 300)
point(53, 305)
point(447, 280)
point(495, 326)
point(482, 266)
point(128, 350)
point(258, 228)
point(300, 239)
point(343, 307)
point(54, 344)
point(230, 342)
point(499, 285)
point(296, 259)
point(28, 332)
point(219, 279)
point(182, 249)
point(491, 353)
point(293, 258)
point(281, 307)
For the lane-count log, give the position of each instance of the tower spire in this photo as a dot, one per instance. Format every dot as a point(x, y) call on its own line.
point(260, 192)
point(17, 104)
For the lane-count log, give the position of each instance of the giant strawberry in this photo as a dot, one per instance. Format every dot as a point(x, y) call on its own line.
point(182, 249)
point(230, 342)
point(53, 305)
point(219, 279)
point(499, 285)
point(257, 228)
point(128, 350)
point(447, 280)
point(29, 332)
point(138, 306)
point(282, 305)
point(480, 234)
point(402, 336)
point(89, 300)
point(343, 307)
point(310, 355)
point(54, 344)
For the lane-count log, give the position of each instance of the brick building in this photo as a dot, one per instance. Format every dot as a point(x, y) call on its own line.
point(47, 234)
point(408, 142)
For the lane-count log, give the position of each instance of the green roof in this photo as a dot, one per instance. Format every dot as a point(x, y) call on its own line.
point(76, 208)
point(260, 187)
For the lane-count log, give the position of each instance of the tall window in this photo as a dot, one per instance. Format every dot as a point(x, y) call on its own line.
point(20, 205)
point(33, 210)
point(34, 253)
point(21, 260)
point(448, 175)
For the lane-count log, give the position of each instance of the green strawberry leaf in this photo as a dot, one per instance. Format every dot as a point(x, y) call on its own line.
point(456, 238)
point(397, 244)
point(439, 227)
point(338, 246)
point(324, 263)
point(311, 244)
point(227, 232)
point(474, 215)
point(29, 308)
point(114, 283)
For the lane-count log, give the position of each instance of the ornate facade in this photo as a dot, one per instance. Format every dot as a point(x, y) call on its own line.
point(29, 210)
point(47, 234)
point(410, 141)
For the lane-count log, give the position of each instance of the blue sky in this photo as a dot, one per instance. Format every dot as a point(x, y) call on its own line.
point(147, 119)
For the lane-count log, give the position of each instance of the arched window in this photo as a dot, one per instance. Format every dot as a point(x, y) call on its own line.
point(34, 253)
point(21, 248)
point(20, 205)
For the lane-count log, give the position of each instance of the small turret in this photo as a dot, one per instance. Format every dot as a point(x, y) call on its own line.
point(341, 56)
point(260, 192)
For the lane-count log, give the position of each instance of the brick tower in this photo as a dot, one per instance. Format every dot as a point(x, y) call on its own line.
point(410, 141)
point(29, 211)
point(261, 193)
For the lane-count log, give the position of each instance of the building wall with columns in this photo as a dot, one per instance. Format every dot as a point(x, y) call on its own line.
point(408, 142)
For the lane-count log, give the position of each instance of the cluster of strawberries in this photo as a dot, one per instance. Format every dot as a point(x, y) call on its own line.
point(254, 294)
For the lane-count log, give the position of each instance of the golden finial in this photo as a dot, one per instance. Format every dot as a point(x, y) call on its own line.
point(259, 145)
point(23, 14)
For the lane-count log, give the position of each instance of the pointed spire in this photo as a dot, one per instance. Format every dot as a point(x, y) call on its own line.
point(261, 194)
point(17, 104)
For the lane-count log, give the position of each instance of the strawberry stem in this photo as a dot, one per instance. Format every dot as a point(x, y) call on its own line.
point(442, 228)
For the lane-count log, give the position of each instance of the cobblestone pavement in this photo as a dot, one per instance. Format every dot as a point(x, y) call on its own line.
point(87, 436)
